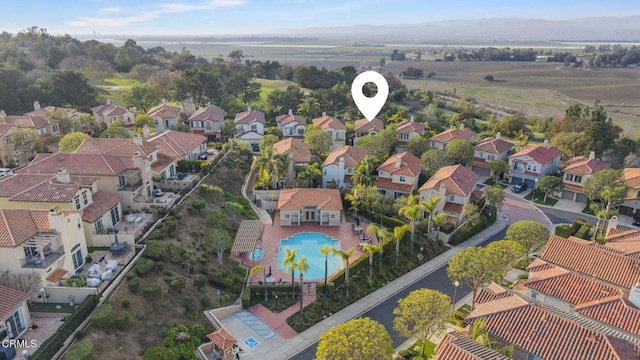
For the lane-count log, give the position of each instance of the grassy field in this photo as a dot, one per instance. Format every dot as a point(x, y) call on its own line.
point(114, 81)
point(268, 86)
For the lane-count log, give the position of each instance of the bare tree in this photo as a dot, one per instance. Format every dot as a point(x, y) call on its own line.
point(26, 282)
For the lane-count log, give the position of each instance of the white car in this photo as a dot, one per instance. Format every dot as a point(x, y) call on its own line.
point(5, 172)
point(158, 192)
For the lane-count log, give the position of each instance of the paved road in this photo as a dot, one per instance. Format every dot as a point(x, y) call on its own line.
point(558, 216)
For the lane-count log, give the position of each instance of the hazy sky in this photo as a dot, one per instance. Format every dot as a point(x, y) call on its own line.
point(179, 17)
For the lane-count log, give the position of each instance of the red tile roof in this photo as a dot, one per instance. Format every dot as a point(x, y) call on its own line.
point(409, 165)
point(248, 117)
point(601, 262)
point(28, 121)
point(631, 177)
point(102, 203)
point(539, 265)
point(175, 144)
point(366, 126)
point(323, 199)
point(458, 179)
point(407, 127)
point(491, 292)
point(387, 184)
point(110, 110)
point(477, 195)
point(213, 113)
point(41, 188)
point(455, 346)
point(48, 110)
point(286, 119)
point(493, 146)
point(450, 207)
point(582, 165)
point(298, 149)
point(10, 301)
point(222, 339)
point(352, 156)
point(328, 122)
point(18, 226)
point(165, 111)
point(79, 164)
point(5, 128)
point(573, 288)
point(540, 154)
point(454, 134)
point(627, 240)
point(56, 275)
point(615, 311)
point(120, 147)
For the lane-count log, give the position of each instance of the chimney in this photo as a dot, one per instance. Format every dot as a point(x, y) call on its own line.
point(137, 160)
point(613, 223)
point(55, 220)
point(462, 126)
point(146, 131)
point(546, 143)
point(634, 295)
point(592, 155)
point(398, 162)
point(442, 192)
point(164, 101)
point(63, 176)
point(249, 108)
point(290, 112)
point(412, 119)
point(498, 135)
point(108, 101)
point(36, 105)
point(324, 113)
point(137, 139)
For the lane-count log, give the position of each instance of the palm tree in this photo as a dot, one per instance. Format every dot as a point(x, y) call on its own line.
point(353, 197)
point(398, 233)
point(363, 173)
point(384, 235)
point(438, 221)
point(308, 107)
point(275, 164)
point(345, 255)
point(371, 249)
point(253, 271)
point(309, 174)
point(431, 206)
point(325, 251)
point(289, 263)
point(413, 212)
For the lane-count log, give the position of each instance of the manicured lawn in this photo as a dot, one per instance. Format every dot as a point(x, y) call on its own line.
point(429, 349)
point(492, 182)
point(114, 81)
point(561, 229)
point(51, 308)
point(539, 198)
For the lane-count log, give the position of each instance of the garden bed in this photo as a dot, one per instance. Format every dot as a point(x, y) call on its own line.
point(539, 198)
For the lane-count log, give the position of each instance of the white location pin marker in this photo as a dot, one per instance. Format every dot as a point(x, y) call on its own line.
point(370, 106)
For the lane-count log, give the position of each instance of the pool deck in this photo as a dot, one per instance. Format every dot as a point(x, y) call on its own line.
point(272, 234)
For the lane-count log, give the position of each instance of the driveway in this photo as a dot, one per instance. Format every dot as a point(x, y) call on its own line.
point(516, 208)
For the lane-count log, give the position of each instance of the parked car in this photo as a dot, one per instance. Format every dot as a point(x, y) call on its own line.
point(210, 151)
point(5, 172)
point(518, 188)
point(182, 175)
point(158, 192)
point(636, 222)
point(202, 156)
point(219, 147)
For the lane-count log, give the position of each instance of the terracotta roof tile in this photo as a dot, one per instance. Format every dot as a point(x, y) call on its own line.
point(328, 122)
point(102, 203)
point(162, 162)
point(120, 147)
point(539, 265)
point(407, 127)
point(79, 164)
point(454, 134)
point(366, 126)
point(213, 113)
point(248, 117)
point(10, 301)
point(458, 179)
point(110, 110)
point(573, 288)
point(5, 128)
point(300, 151)
point(352, 156)
point(491, 292)
point(409, 165)
point(323, 199)
point(627, 240)
point(17, 225)
point(455, 346)
point(540, 154)
point(165, 111)
point(493, 146)
point(388, 184)
point(42, 188)
point(57, 275)
point(286, 119)
point(582, 165)
point(28, 121)
point(48, 110)
point(175, 144)
point(477, 195)
point(631, 177)
point(615, 311)
point(450, 207)
point(222, 339)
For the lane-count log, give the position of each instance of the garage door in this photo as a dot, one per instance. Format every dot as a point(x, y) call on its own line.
point(482, 171)
point(530, 183)
point(581, 198)
point(625, 210)
point(567, 195)
point(516, 180)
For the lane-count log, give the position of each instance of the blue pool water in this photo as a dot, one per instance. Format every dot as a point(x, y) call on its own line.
point(257, 254)
point(309, 245)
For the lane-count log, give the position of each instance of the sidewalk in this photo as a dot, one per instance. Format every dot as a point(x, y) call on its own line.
point(284, 349)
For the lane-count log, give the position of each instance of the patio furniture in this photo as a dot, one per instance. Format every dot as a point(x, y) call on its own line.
point(95, 271)
point(111, 265)
point(107, 275)
point(91, 282)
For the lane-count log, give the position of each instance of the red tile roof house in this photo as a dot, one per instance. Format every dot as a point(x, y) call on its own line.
point(334, 127)
point(250, 126)
point(339, 166)
point(323, 206)
point(43, 125)
point(8, 155)
point(68, 193)
point(577, 170)
point(631, 204)
point(206, 121)
point(291, 125)
point(488, 150)
point(105, 114)
point(14, 313)
point(407, 130)
point(538, 331)
point(299, 155)
point(533, 163)
point(364, 127)
point(49, 243)
point(398, 175)
point(48, 110)
point(440, 141)
point(165, 116)
point(455, 185)
point(456, 346)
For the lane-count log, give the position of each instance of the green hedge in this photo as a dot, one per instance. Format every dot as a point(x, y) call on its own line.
point(80, 351)
point(189, 165)
point(101, 316)
point(583, 232)
point(379, 218)
point(50, 347)
point(155, 251)
point(144, 265)
point(487, 218)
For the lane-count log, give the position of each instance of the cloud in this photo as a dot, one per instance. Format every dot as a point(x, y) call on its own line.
point(113, 21)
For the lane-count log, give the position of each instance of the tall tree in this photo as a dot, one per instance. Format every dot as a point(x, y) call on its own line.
point(506, 254)
point(116, 132)
point(345, 255)
point(438, 221)
point(371, 250)
point(25, 140)
point(418, 145)
point(495, 197)
point(459, 152)
point(227, 129)
point(325, 250)
point(363, 173)
point(594, 187)
point(255, 270)
point(422, 315)
point(431, 207)
point(412, 211)
point(218, 241)
point(361, 338)
point(71, 141)
point(68, 88)
point(432, 161)
point(309, 107)
point(473, 266)
point(309, 175)
point(319, 141)
point(399, 233)
point(141, 96)
point(199, 83)
point(550, 184)
point(528, 233)
point(291, 263)
point(498, 167)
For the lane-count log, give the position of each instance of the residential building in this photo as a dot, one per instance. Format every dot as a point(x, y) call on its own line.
point(456, 186)
point(291, 125)
point(108, 113)
point(398, 175)
point(48, 110)
point(44, 126)
point(176, 145)
point(165, 116)
point(250, 126)
point(340, 165)
point(407, 130)
point(323, 206)
point(49, 243)
point(488, 150)
point(299, 155)
point(8, 156)
point(455, 346)
point(207, 121)
point(15, 317)
point(334, 127)
point(533, 163)
point(577, 170)
point(441, 140)
point(364, 127)
point(631, 204)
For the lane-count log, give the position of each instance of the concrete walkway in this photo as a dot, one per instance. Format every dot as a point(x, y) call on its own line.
point(264, 215)
point(279, 348)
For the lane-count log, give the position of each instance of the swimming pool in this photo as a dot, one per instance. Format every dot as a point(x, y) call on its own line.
point(257, 254)
point(309, 245)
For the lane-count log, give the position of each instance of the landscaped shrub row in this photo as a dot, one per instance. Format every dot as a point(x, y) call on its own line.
point(190, 165)
point(467, 230)
point(379, 218)
point(54, 343)
point(583, 232)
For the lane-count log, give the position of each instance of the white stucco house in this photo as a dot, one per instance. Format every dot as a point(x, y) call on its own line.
point(340, 165)
point(488, 150)
point(399, 175)
point(533, 163)
point(291, 125)
point(407, 130)
point(334, 127)
point(323, 206)
point(250, 126)
point(165, 116)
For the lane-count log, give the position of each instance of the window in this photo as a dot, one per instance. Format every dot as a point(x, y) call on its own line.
point(534, 296)
point(480, 154)
point(76, 255)
point(300, 131)
point(16, 324)
point(491, 157)
point(155, 121)
point(286, 216)
point(404, 136)
point(172, 170)
point(577, 178)
point(55, 128)
point(324, 172)
point(254, 127)
point(7, 140)
point(42, 131)
point(333, 216)
point(382, 191)
point(403, 178)
point(115, 215)
point(77, 201)
point(122, 181)
point(208, 125)
point(30, 251)
point(85, 198)
point(397, 195)
point(79, 223)
point(99, 226)
point(196, 124)
point(163, 175)
point(349, 170)
point(452, 198)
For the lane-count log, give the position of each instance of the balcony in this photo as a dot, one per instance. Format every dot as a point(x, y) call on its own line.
point(48, 257)
point(131, 187)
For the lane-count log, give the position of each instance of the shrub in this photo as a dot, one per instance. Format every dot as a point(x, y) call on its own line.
point(199, 332)
point(206, 302)
point(200, 281)
point(583, 232)
point(79, 334)
point(144, 266)
point(80, 351)
point(160, 265)
point(177, 284)
point(468, 230)
point(130, 275)
point(169, 225)
point(126, 303)
point(121, 321)
point(134, 284)
point(155, 250)
point(192, 303)
point(159, 353)
point(152, 292)
point(101, 316)
point(175, 254)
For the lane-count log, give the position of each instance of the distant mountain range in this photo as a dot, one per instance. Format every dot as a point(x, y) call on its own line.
point(624, 29)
